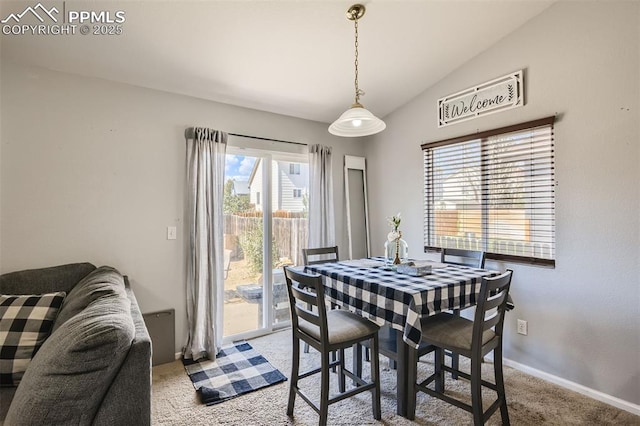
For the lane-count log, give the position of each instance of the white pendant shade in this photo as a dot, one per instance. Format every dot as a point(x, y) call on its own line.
point(357, 121)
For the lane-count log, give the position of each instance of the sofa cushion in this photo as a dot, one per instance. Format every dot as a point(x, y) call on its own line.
point(69, 377)
point(25, 323)
point(100, 282)
point(44, 280)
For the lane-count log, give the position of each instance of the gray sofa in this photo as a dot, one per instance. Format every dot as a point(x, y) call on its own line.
point(95, 366)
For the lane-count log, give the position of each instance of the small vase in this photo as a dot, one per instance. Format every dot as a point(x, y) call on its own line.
point(396, 251)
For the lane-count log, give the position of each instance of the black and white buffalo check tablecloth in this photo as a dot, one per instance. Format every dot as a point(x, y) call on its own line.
point(386, 296)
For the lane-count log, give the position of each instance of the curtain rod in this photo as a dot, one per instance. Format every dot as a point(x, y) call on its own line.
point(188, 133)
point(267, 139)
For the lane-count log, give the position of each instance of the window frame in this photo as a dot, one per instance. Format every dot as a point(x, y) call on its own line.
point(429, 199)
point(294, 168)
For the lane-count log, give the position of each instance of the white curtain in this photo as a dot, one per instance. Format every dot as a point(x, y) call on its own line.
point(322, 230)
point(205, 250)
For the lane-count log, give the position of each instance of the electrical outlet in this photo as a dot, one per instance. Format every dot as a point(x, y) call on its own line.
point(522, 327)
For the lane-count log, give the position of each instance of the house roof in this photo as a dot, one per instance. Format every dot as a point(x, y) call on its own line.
point(254, 170)
point(241, 187)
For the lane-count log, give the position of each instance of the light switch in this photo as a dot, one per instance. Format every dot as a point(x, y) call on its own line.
point(171, 232)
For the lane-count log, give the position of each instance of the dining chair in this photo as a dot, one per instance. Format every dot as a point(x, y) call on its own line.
point(461, 257)
point(472, 339)
point(317, 255)
point(472, 258)
point(314, 256)
point(327, 331)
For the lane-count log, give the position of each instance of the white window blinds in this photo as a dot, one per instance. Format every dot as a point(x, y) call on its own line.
point(493, 191)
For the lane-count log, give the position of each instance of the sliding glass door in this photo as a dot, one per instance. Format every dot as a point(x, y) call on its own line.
point(265, 228)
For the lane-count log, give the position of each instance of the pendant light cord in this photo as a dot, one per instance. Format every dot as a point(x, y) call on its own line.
point(358, 91)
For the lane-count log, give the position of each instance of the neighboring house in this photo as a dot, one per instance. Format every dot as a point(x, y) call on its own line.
point(240, 187)
point(290, 186)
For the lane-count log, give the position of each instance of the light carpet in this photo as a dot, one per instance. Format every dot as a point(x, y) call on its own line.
point(531, 401)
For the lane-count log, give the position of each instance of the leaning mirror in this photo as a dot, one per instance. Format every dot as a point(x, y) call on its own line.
point(355, 182)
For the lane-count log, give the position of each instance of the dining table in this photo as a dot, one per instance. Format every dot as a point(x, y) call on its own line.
point(377, 291)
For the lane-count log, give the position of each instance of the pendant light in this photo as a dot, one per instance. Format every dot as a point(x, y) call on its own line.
point(357, 120)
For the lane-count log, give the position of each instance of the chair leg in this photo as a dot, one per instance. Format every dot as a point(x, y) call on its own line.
point(341, 375)
point(375, 377)
point(293, 380)
point(455, 358)
point(324, 389)
point(476, 390)
point(455, 364)
point(357, 361)
point(439, 360)
point(499, 376)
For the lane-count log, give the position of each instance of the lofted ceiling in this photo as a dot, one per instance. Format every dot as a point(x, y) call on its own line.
point(289, 57)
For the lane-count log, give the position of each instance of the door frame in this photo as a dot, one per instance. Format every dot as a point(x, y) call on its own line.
point(267, 156)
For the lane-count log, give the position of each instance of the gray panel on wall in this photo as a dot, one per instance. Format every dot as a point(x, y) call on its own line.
point(162, 329)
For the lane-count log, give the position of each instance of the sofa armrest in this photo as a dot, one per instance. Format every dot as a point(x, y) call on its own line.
point(128, 400)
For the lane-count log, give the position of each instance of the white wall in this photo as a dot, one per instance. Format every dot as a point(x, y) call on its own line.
point(94, 171)
point(581, 61)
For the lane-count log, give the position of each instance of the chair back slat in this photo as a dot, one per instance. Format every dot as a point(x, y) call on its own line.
point(495, 300)
point(304, 295)
point(307, 315)
point(472, 258)
point(305, 310)
point(491, 307)
point(306, 300)
point(491, 320)
point(314, 256)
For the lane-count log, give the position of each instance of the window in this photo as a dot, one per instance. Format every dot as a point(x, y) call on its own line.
point(294, 168)
point(493, 191)
point(297, 193)
point(257, 198)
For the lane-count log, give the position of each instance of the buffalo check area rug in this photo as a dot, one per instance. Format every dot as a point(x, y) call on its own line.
point(238, 369)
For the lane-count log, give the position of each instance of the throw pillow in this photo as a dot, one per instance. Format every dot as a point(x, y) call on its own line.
point(25, 323)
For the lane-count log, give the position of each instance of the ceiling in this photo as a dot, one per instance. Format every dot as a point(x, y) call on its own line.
point(289, 57)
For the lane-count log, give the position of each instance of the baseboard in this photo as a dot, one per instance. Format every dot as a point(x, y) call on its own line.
point(178, 355)
point(592, 393)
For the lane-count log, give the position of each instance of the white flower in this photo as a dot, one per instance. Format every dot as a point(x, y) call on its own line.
point(394, 221)
point(393, 235)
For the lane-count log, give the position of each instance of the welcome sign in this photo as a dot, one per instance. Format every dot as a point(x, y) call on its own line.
point(497, 95)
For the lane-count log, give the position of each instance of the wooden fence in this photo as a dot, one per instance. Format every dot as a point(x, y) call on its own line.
point(463, 229)
point(516, 248)
point(289, 234)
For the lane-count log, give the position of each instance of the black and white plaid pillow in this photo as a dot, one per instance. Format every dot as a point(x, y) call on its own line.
point(25, 323)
